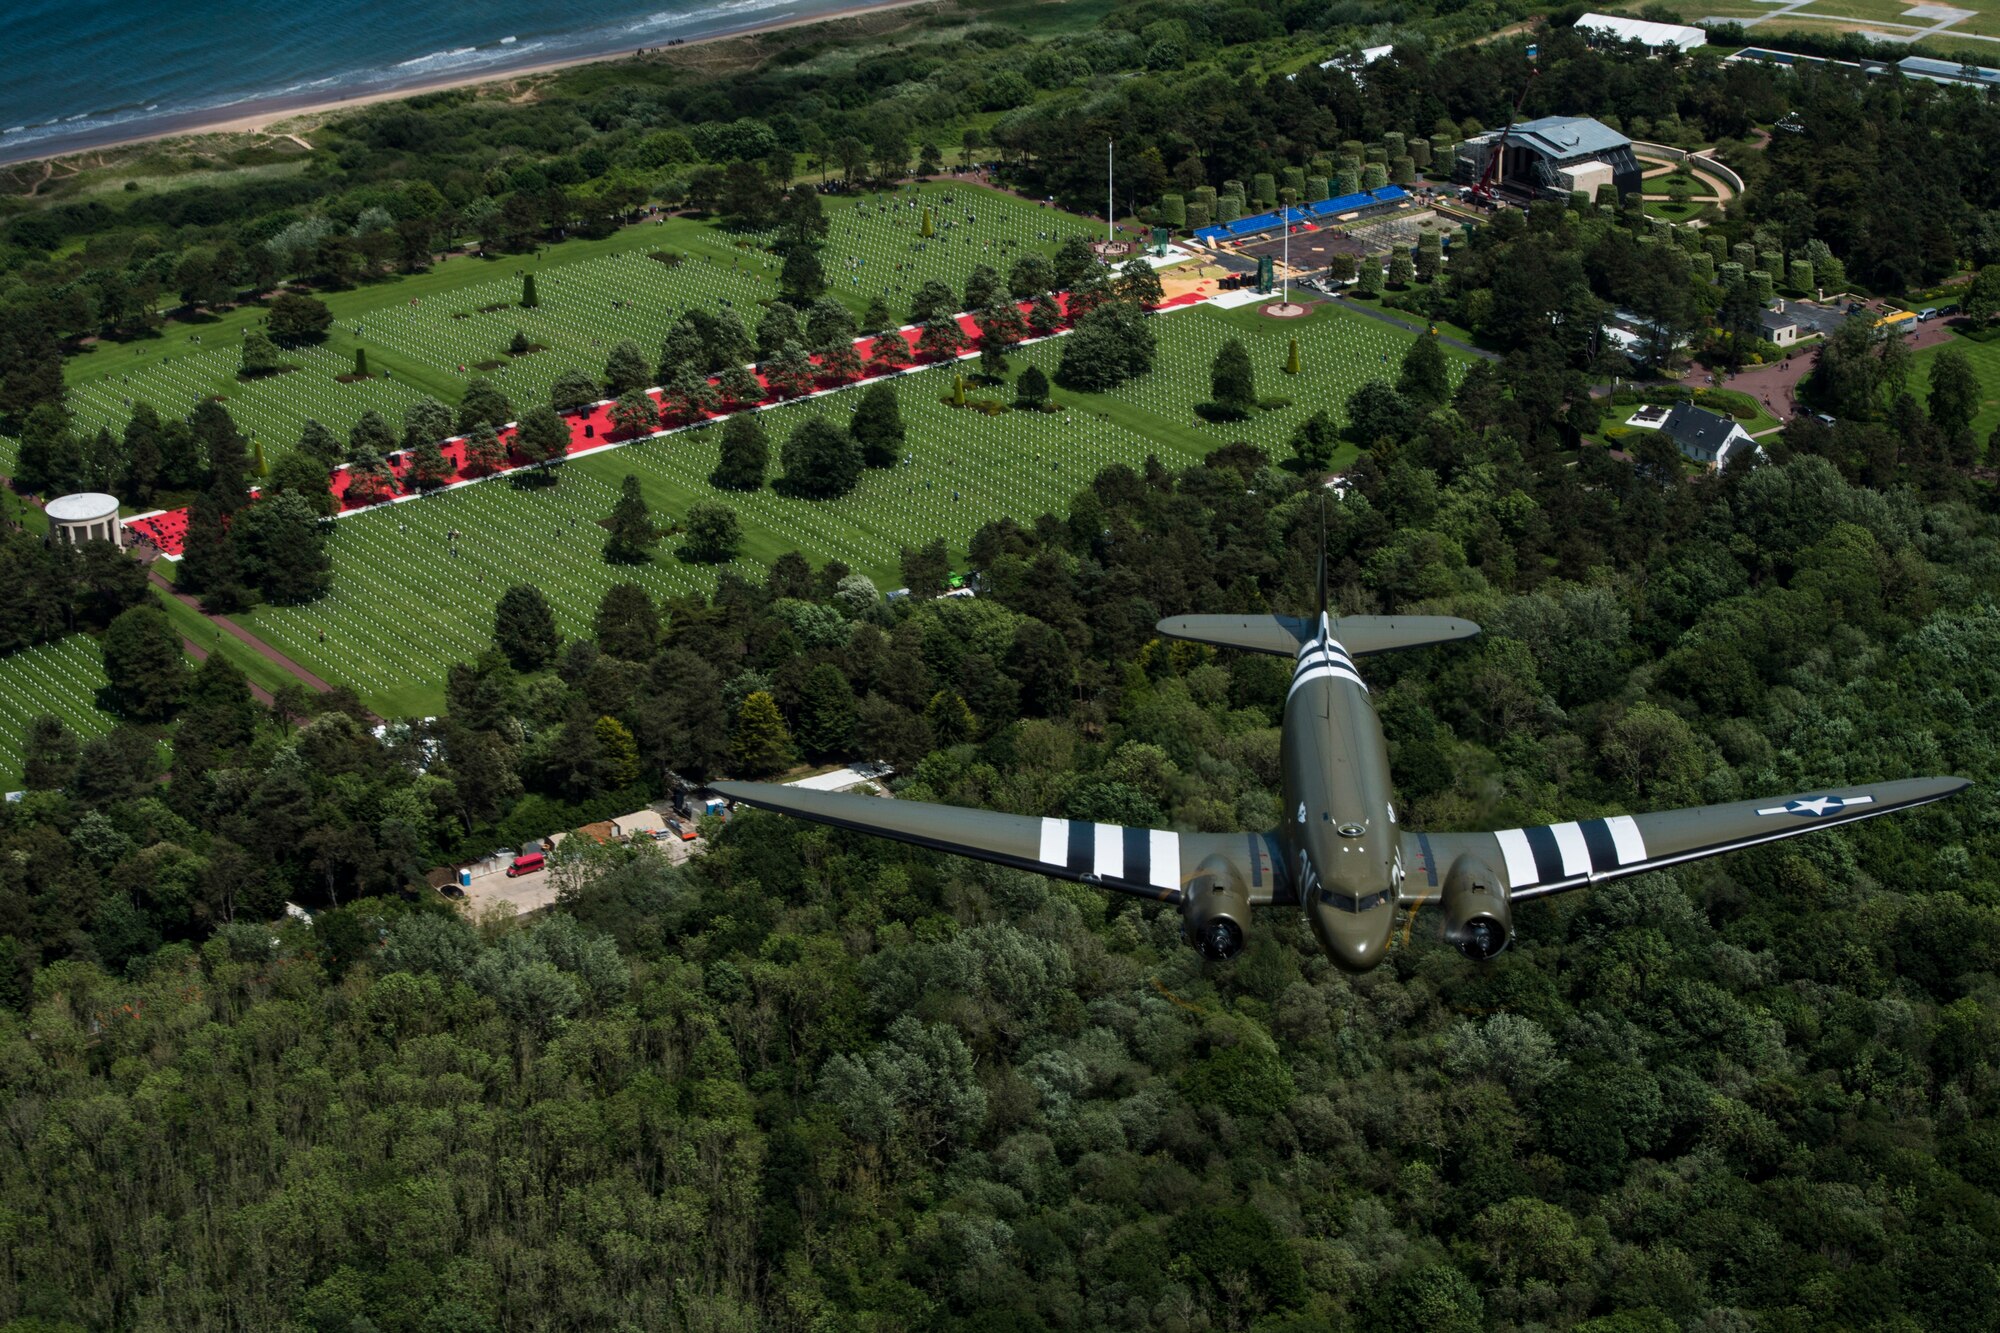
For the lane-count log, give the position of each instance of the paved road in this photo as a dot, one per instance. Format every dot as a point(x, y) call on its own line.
point(1375, 312)
point(1776, 384)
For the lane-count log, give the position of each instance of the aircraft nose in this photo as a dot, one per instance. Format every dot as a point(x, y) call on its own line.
point(1355, 942)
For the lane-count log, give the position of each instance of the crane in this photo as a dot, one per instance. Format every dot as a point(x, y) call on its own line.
point(1483, 193)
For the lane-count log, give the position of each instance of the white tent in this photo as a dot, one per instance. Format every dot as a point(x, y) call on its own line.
point(1654, 36)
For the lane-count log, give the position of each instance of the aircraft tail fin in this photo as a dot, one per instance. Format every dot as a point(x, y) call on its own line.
point(1284, 635)
point(1322, 561)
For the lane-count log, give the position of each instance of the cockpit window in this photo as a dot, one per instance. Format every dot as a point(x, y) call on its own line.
point(1339, 901)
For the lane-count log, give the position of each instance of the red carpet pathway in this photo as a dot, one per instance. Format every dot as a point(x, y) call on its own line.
point(588, 430)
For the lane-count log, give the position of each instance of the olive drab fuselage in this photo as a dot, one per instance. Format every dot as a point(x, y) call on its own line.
point(1339, 834)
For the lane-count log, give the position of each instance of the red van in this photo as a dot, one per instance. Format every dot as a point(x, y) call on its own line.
point(527, 863)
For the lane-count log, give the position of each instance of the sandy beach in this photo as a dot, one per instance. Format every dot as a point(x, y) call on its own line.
point(276, 115)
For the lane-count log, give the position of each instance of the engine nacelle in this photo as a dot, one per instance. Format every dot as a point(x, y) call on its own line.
point(1215, 916)
point(1477, 918)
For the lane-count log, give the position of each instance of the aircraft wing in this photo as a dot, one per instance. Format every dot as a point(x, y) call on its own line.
point(1555, 858)
point(1147, 863)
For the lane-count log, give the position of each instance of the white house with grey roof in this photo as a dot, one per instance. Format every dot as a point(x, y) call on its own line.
point(1703, 437)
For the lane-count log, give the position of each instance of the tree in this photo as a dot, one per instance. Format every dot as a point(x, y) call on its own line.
point(745, 454)
point(1425, 379)
point(1001, 329)
point(839, 362)
point(281, 541)
point(483, 450)
point(933, 300)
point(688, 396)
point(50, 458)
point(1292, 358)
point(48, 754)
point(632, 532)
point(208, 559)
point(941, 338)
point(260, 355)
point(1232, 384)
point(627, 625)
point(1955, 393)
point(780, 325)
point(1982, 298)
point(483, 402)
point(142, 461)
point(1109, 346)
point(1031, 276)
point(222, 448)
point(1402, 269)
point(142, 663)
point(740, 385)
point(297, 474)
point(761, 745)
point(1368, 276)
point(634, 414)
point(926, 569)
point(711, 533)
point(1375, 412)
point(983, 287)
point(889, 352)
point(543, 437)
point(1075, 260)
point(877, 426)
point(573, 391)
point(821, 460)
point(1032, 388)
point(826, 713)
point(524, 628)
point(790, 373)
point(950, 720)
point(1139, 283)
point(801, 279)
point(530, 298)
point(296, 318)
point(618, 752)
point(828, 322)
point(319, 444)
point(1044, 316)
point(1315, 441)
point(626, 369)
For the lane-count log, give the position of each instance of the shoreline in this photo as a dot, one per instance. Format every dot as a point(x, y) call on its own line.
point(263, 114)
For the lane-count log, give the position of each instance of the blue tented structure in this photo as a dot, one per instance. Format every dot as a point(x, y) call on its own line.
point(1244, 228)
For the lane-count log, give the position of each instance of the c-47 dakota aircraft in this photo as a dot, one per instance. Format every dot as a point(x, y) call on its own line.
point(1340, 856)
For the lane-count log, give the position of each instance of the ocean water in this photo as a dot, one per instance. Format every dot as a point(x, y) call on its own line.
point(80, 74)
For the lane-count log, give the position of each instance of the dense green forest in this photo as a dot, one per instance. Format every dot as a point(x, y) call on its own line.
point(811, 1080)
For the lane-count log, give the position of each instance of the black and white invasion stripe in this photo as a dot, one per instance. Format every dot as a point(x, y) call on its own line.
point(1113, 853)
point(1324, 659)
point(1552, 852)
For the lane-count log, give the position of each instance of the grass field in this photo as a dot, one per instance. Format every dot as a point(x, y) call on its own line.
point(1985, 358)
point(429, 333)
point(403, 608)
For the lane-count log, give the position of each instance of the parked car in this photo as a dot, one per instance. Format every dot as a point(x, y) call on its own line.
point(1823, 418)
point(1929, 312)
point(527, 863)
point(680, 830)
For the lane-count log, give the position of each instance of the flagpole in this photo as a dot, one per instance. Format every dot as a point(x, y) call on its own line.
point(1110, 208)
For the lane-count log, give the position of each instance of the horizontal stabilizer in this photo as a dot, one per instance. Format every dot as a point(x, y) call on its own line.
point(1283, 635)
